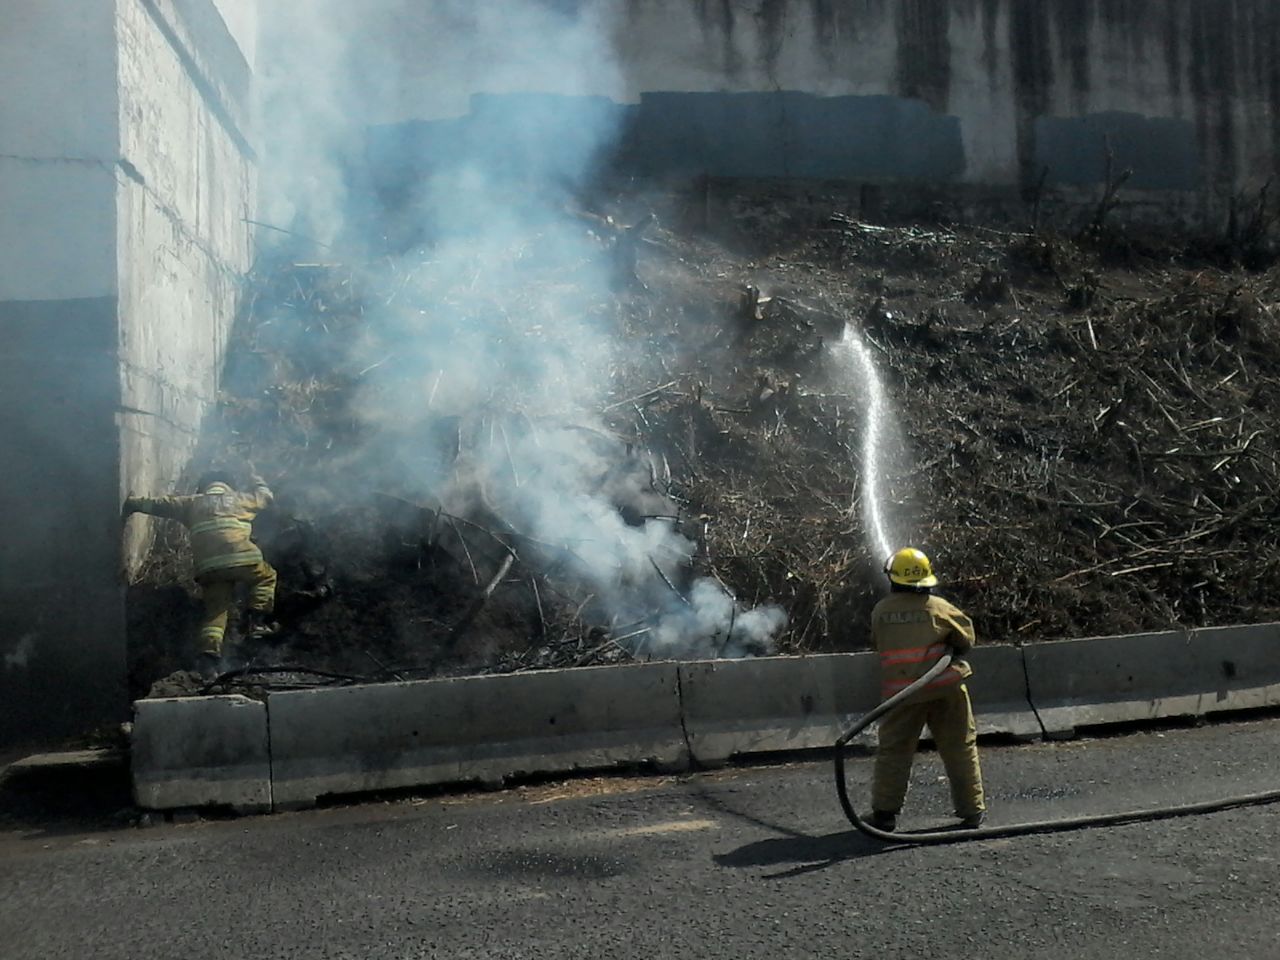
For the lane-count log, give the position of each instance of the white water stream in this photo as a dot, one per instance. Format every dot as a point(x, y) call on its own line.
point(854, 355)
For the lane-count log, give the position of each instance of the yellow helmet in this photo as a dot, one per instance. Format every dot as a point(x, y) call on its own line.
point(909, 567)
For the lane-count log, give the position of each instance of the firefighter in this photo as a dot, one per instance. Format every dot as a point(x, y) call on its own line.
point(220, 520)
point(911, 629)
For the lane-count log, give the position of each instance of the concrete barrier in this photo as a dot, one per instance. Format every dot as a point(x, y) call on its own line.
point(207, 751)
point(396, 735)
point(741, 707)
point(1076, 683)
point(201, 752)
point(998, 689)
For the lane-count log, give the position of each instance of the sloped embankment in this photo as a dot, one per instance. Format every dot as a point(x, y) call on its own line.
point(1085, 442)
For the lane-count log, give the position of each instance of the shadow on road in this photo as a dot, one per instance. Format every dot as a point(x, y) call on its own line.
point(806, 852)
point(66, 802)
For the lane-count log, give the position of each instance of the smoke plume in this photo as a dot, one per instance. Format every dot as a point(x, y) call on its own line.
point(485, 366)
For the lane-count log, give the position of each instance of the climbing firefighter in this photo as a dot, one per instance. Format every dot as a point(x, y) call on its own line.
point(911, 629)
point(220, 520)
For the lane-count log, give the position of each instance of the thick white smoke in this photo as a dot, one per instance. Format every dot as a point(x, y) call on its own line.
point(507, 316)
point(308, 113)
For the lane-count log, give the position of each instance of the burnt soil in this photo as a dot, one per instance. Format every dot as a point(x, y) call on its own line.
point(1083, 438)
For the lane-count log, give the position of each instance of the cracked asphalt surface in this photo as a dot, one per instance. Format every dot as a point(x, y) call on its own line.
point(737, 863)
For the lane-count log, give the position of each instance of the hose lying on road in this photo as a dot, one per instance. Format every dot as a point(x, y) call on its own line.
point(957, 835)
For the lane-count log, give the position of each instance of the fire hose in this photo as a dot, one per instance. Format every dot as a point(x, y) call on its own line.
point(957, 835)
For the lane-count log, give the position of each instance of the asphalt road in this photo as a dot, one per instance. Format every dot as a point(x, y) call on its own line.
point(735, 864)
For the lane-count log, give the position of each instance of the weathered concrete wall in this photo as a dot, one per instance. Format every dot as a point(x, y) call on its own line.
point(241, 19)
point(61, 614)
point(124, 179)
point(987, 92)
point(189, 186)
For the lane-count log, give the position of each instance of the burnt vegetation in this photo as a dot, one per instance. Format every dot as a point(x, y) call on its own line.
point(1084, 437)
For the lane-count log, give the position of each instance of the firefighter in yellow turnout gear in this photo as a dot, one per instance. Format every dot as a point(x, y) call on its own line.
point(220, 520)
point(911, 629)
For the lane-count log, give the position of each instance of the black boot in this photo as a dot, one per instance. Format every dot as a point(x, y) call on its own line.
point(973, 821)
point(259, 625)
point(884, 820)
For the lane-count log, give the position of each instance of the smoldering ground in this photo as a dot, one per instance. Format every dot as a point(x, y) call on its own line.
point(465, 375)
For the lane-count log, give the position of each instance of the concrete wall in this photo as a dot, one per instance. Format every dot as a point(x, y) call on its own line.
point(241, 20)
point(985, 92)
point(125, 173)
point(189, 186)
point(61, 652)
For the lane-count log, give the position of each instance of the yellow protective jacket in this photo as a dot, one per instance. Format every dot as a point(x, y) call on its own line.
point(220, 521)
point(911, 631)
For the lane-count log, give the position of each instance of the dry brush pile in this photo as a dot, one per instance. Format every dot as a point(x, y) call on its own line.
point(1085, 448)
point(1097, 443)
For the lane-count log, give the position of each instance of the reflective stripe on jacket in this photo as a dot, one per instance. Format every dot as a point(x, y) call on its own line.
point(220, 521)
point(911, 631)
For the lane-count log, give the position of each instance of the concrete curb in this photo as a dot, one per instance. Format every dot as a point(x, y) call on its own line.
point(396, 735)
point(201, 752)
point(1101, 680)
point(741, 707)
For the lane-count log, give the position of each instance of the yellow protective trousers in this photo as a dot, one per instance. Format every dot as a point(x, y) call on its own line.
point(219, 588)
point(950, 720)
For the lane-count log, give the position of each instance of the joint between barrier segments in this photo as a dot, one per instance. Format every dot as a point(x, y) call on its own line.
point(1026, 692)
point(684, 727)
point(271, 756)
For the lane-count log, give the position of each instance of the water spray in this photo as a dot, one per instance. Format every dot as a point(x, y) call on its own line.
point(854, 349)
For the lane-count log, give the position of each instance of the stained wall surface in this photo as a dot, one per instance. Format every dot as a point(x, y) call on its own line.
point(61, 648)
point(182, 208)
point(990, 92)
point(125, 178)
